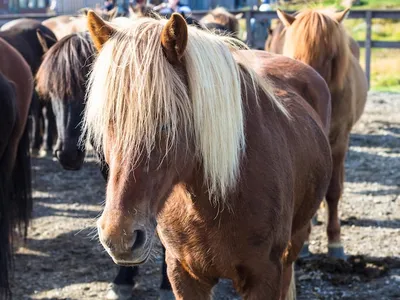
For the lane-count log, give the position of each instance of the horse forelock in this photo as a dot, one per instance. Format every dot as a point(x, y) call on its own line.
point(134, 92)
point(317, 39)
point(65, 67)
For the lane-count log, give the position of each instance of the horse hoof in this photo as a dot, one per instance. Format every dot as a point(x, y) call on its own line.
point(35, 152)
point(119, 292)
point(336, 251)
point(305, 251)
point(46, 153)
point(166, 295)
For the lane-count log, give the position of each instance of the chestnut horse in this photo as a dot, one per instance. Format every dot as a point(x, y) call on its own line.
point(62, 79)
point(276, 40)
point(318, 39)
point(16, 86)
point(222, 21)
point(230, 165)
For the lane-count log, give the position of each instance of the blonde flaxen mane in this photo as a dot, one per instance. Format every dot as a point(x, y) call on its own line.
point(134, 92)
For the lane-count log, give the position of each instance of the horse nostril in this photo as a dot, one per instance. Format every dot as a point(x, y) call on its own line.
point(138, 240)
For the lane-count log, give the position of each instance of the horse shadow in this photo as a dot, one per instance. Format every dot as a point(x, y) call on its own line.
point(366, 164)
point(53, 184)
point(65, 260)
point(350, 275)
point(393, 224)
point(73, 211)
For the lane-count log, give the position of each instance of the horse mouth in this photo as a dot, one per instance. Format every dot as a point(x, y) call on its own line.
point(131, 263)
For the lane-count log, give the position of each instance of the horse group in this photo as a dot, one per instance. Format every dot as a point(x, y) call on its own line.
point(225, 152)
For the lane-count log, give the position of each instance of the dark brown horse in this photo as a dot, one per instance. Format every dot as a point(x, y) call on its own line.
point(229, 162)
point(318, 39)
point(16, 86)
point(23, 37)
point(62, 78)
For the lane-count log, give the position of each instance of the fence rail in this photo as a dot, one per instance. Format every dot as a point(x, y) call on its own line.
point(367, 15)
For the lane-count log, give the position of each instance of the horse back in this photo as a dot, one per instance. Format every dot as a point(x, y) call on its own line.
point(297, 77)
point(23, 37)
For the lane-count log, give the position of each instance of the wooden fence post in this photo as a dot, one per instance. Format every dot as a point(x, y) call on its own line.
point(368, 19)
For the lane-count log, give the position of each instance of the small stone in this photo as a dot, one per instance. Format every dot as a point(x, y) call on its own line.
point(395, 278)
point(304, 277)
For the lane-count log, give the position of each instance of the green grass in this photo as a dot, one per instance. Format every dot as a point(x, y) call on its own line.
point(385, 71)
point(382, 30)
point(365, 4)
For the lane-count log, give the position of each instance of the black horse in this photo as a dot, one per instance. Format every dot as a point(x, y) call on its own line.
point(62, 76)
point(16, 85)
point(23, 37)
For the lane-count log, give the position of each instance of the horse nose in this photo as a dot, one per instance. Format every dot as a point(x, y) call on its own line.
point(122, 244)
point(69, 159)
point(125, 244)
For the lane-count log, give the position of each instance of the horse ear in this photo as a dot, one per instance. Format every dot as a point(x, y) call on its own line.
point(99, 30)
point(42, 40)
point(286, 19)
point(239, 16)
point(113, 13)
point(341, 15)
point(174, 37)
point(131, 10)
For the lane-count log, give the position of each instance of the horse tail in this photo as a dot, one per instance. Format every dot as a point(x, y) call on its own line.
point(5, 228)
point(291, 295)
point(15, 203)
point(22, 184)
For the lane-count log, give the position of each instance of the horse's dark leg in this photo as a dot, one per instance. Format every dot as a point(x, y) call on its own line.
point(126, 276)
point(122, 285)
point(36, 132)
point(165, 288)
point(49, 127)
point(165, 284)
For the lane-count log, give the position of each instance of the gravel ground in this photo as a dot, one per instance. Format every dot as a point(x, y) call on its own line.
point(63, 260)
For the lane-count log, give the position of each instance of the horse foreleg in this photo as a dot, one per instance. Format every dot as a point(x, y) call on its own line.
point(262, 285)
point(165, 284)
point(335, 247)
point(121, 287)
point(184, 285)
point(289, 284)
point(36, 134)
point(49, 127)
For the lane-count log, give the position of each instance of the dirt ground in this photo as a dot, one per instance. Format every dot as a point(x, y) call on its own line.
point(62, 258)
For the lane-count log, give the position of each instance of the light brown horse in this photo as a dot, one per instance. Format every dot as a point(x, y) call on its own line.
point(318, 39)
point(65, 25)
point(276, 40)
point(231, 163)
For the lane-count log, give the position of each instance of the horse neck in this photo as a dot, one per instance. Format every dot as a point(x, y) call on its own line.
point(193, 194)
